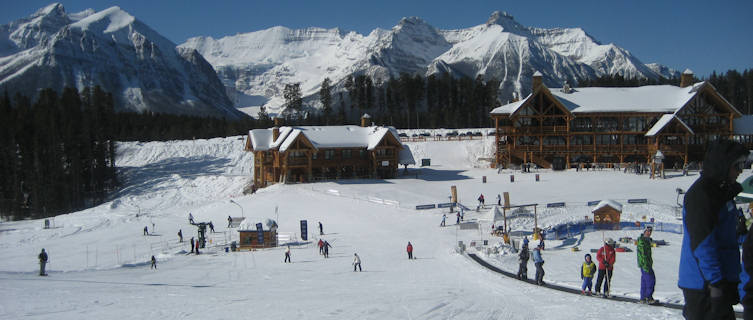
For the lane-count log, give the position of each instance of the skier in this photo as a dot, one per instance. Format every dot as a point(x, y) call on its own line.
point(42, 262)
point(211, 227)
point(321, 246)
point(499, 200)
point(229, 221)
point(192, 245)
point(587, 270)
point(326, 248)
point(645, 262)
point(180, 235)
point(444, 217)
point(457, 217)
point(287, 255)
point(481, 200)
point(462, 213)
point(410, 251)
point(146, 231)
point(710, 259)
point(356, 262)
point(523, 259)
point(321, 229)
point(190, 218)
point(154, 263)
point(606, 257)
point(539, 262)
point(197, 247)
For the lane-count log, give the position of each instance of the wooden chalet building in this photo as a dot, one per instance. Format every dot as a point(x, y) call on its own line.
point(563, 127)
point(303, 154)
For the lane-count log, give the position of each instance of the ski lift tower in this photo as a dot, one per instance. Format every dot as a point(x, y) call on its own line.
point(202, 233)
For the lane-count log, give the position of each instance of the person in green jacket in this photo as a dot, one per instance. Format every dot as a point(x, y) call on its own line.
point(646, 263)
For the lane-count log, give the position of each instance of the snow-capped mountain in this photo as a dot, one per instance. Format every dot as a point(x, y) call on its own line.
point(256, 66)
point(142, 69)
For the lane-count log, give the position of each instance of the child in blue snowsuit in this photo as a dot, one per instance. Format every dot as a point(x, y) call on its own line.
point(587, 270)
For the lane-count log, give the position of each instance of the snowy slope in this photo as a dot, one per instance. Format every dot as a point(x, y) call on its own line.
point(98, 257)
point(142, 69)
point(255, 66)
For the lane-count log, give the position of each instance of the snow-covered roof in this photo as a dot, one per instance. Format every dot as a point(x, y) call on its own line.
point(249, 224)
point(744, 124)
point(349, 136)
point(663, 122)
point(406, 156)
point(611, 203)
point(661, 98)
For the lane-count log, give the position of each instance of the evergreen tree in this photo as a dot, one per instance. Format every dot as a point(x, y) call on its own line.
point(325, 96)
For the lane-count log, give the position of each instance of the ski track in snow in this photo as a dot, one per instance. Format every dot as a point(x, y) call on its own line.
point(99, 258)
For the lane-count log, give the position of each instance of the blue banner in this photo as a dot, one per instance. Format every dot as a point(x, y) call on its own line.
point(446, 205)
point(426, 206)
point(260, 233)
point(637, 200)
point(593, 203)
point(555, 205)
point(304, 230)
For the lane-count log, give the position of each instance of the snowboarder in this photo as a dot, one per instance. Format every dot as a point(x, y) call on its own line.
point(444, 217)
point(154, 263)
point(523, 259)
point(211, 227)
point(539, 262)
point(229, 221)
point(321, 246)
point(180, 235)
point(146, 231)
point(606, 257)
point(410, 251)
point(287, 255)
point(710, 260)
point(499, 200)
point(192, 245)
point(326, 248)
point(321, 229)
point(645, 262)
point(42, 262)
point(356, 263)
point(190, 218)
point(587, 270)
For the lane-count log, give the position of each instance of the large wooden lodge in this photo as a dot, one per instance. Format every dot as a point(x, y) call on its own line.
point(313, 153)
point(561, 128)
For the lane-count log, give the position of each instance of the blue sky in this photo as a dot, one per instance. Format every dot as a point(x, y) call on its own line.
point(700, 35)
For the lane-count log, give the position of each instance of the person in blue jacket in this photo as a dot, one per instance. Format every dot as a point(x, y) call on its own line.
point(709, 258)
point(539, 262)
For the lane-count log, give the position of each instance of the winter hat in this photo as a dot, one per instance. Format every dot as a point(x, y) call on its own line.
point(609, 241)
point(587, 256)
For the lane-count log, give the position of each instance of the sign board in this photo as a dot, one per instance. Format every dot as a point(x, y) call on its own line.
point(260, 233)
point(446, 205)
point(425, 162)
point(426, 206)
point(593, 203)
point(385, 163)
point(637, 200)
point(555, 205)
point(304, 230)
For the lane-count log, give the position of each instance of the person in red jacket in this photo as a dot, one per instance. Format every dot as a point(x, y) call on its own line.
point(410, 251)
point(606, 257)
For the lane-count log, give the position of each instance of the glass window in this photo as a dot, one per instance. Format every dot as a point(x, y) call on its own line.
point(347, 154)
point(329, 154)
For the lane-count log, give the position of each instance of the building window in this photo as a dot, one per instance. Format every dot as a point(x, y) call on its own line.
point(329, 154)
point(363, 154)
point(347, 154)
point(315, 155)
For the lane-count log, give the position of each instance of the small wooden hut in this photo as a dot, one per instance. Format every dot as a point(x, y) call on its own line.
point(607, 212)
point(249, 236)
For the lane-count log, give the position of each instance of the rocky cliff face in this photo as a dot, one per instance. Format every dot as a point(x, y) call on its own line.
point(257, 65)
point(112, 49)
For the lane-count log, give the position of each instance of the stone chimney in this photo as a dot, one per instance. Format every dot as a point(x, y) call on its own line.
point(365, 118)
point(276, 129)
point(538, 79)
point(686, 79)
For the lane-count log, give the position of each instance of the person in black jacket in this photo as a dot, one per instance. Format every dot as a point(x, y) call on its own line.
point(523, 259)
point(710, 258)
point(747, 300)
point(42, 262)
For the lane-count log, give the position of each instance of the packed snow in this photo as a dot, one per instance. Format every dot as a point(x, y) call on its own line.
point(99, 258)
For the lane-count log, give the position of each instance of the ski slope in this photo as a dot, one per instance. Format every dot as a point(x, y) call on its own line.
point(99, 258)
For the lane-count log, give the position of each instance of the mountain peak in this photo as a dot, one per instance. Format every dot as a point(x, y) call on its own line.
point(500, 18)
point(55, 9)
point(112, 19)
